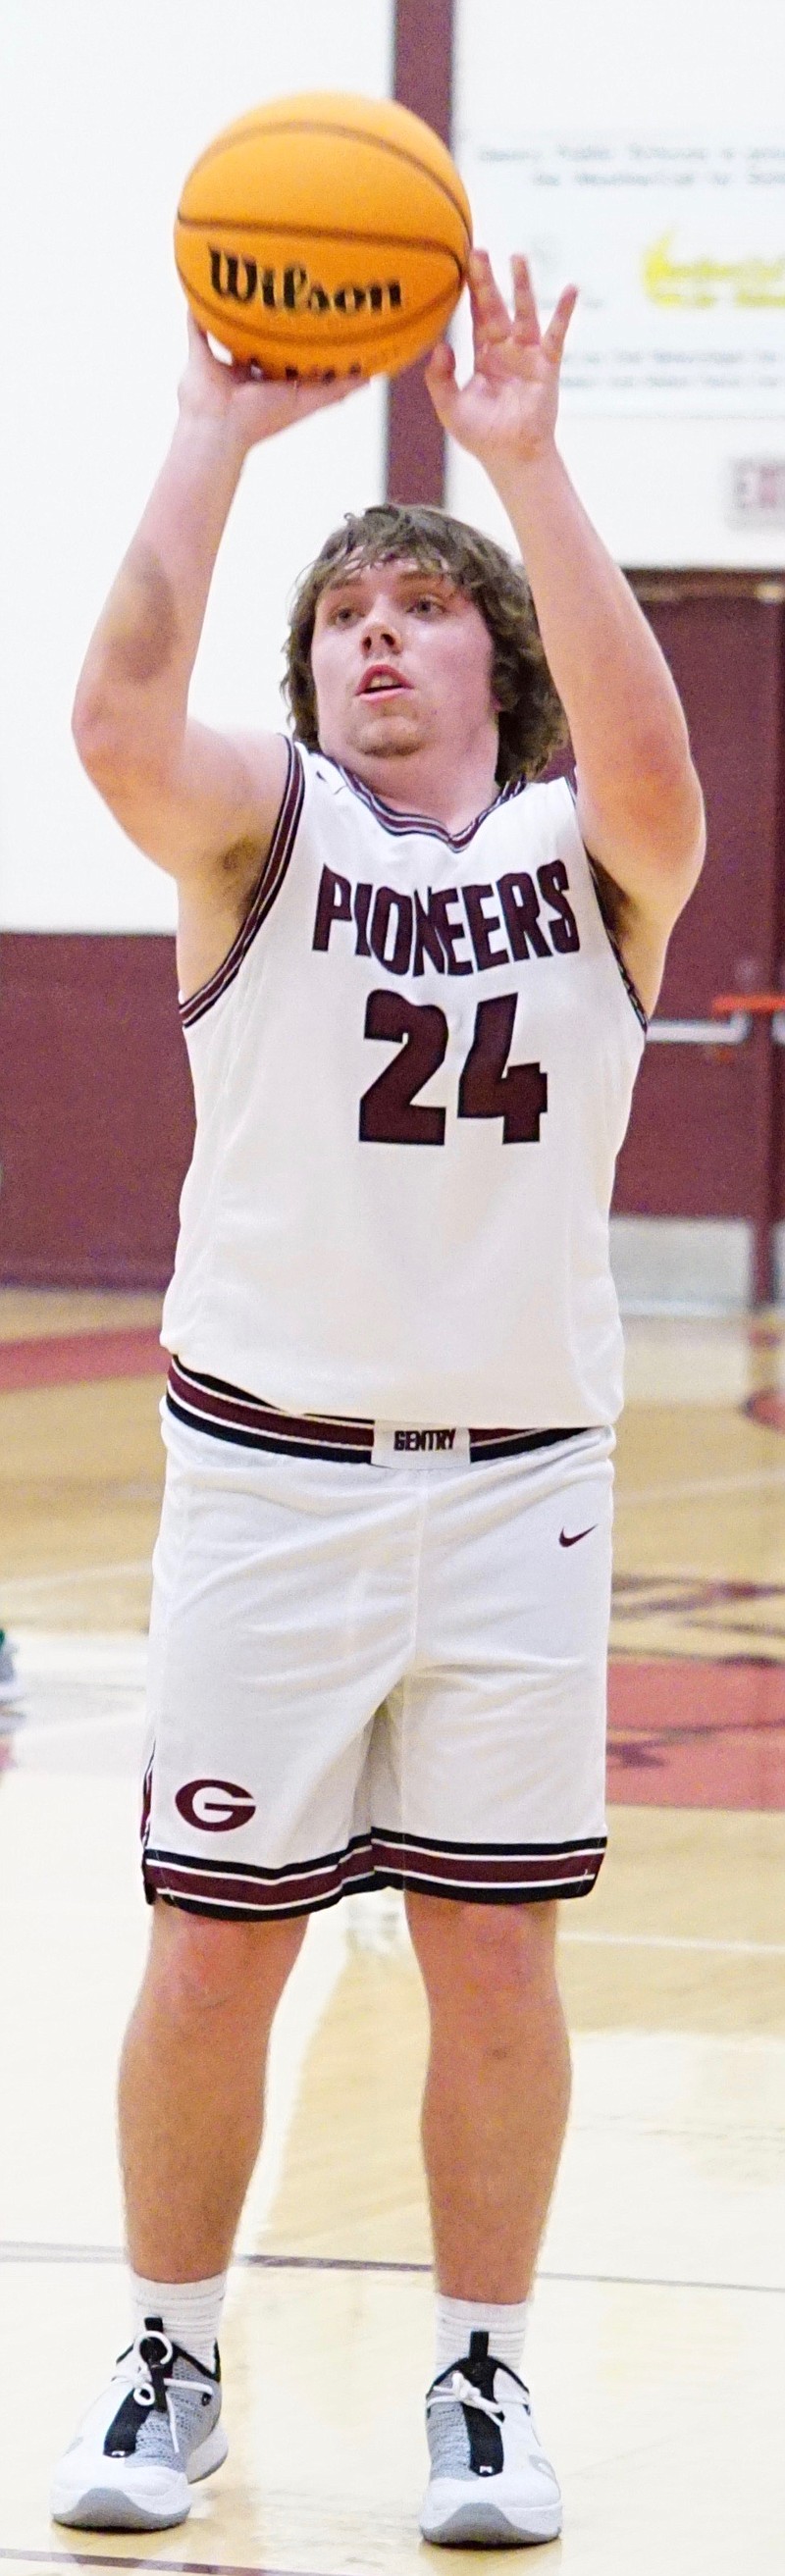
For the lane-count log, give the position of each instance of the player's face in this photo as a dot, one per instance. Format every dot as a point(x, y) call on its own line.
point(401, 662)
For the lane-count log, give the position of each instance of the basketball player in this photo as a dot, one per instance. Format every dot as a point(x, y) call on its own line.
point(415, 986)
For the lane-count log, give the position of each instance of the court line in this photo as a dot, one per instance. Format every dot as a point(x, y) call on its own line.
point(22, 2253)
point(170, 2566)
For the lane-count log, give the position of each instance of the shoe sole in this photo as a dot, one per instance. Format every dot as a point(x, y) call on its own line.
point(106, 2509)
point(486, 2526)
point(111, 2508)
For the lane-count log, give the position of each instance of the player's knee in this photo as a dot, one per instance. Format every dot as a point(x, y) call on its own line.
point(201, 1966)
point(489, 1952)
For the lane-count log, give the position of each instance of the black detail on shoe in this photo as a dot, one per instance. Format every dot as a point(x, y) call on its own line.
point(486, 2448)
point(159, 2354)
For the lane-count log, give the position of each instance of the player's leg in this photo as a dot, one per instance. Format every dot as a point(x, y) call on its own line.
point(191, 2109)
point(191, 2088)
point(494, 2115)
point(263, 1679)
point(490, 1800)
point(497, 2090)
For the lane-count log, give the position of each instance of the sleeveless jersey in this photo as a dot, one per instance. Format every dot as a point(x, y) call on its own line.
point(413, 1074)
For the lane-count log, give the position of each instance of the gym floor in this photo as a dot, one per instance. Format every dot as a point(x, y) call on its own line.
point(657, 2345)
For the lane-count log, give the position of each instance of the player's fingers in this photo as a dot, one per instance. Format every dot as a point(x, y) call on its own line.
point(441, 363)
point(525, 315)
point(317, 397)
point(440, 381)
point(490, 316)
point(554, 338)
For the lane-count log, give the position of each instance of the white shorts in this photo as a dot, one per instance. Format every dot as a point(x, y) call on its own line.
point(377, 1675)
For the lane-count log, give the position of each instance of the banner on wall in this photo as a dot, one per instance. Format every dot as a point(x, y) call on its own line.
point(679, 252)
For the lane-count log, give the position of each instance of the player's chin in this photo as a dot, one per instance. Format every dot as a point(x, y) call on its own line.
point(395, 721)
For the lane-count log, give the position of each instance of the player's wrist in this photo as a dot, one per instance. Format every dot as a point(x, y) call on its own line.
point(208, 435)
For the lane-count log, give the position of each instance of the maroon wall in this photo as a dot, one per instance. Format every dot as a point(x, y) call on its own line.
point(702, 1135)
point(422, 81)
point(95, 1110)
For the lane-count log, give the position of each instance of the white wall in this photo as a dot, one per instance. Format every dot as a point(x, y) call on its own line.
point(691, 70)
point(104, 104)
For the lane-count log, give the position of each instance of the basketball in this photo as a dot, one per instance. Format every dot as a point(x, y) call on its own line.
point(324, 235)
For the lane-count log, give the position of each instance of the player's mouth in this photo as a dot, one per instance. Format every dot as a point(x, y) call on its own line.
point(381, 681)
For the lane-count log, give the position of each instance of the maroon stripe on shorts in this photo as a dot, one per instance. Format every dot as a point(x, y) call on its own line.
point(220, 1887)
point(490, 1871)
point(231, 1413)
point(484, 1873)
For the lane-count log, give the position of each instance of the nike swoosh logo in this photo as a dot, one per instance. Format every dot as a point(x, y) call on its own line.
point(572, 1541)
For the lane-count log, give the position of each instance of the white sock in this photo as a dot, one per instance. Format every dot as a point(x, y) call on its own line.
point(457, 2319)
point(190, 2311)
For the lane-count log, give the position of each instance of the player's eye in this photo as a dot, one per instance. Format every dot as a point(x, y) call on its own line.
point(427, 603)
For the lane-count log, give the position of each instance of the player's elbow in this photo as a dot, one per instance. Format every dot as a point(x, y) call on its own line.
point(117, 759)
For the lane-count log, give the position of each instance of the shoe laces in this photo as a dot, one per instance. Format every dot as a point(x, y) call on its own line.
point(464, 2391)
point(151, 2357)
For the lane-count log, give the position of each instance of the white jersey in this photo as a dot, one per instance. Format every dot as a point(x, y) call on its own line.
point(413, 1074)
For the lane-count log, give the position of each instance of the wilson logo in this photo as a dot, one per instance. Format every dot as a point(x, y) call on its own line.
point(215, 1806)
point(293, 290)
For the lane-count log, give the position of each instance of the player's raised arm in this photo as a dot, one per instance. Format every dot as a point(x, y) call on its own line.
point(185, 794)
point(639, 797)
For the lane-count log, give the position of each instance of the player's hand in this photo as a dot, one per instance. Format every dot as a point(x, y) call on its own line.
point(251, 406)
point(507, 410)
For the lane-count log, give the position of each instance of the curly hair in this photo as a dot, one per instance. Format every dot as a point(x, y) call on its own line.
point(531, 719)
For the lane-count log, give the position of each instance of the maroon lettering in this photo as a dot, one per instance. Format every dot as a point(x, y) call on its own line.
point(427, 942)
point(362, 906)
point(518, 898)
point(481, 926)
point(488, 1090)
point(387, 1112)
point(553, 883)
point(334, 903)
point(450, 932)
point(391, 906)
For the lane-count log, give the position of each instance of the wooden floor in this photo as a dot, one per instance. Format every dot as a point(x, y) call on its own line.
point(657, 2345)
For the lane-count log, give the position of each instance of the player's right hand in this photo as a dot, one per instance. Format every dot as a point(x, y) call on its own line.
point(251, 405)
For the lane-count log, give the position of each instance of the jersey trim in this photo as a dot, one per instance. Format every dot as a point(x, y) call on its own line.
point(399, 824)
point(630, 988)
point(229, 1413)
point(268, 885)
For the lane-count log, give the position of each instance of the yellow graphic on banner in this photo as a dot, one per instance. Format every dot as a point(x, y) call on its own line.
point(695, 282)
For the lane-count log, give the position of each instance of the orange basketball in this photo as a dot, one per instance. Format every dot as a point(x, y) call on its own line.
point(324, 235)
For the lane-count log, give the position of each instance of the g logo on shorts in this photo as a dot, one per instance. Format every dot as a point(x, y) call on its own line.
point(215, 1806)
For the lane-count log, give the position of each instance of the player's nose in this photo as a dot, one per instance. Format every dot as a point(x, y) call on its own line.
point(380, 627)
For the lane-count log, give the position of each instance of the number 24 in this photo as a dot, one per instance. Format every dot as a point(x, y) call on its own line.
point(389, 1114)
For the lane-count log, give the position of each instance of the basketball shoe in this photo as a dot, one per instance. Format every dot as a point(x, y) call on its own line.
point(136, 2456)
point(490, 2485)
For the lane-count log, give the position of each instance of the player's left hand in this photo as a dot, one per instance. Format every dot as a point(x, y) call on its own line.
point(507, 410)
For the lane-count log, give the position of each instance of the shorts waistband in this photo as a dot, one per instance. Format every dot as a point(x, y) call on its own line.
point(229, 1413)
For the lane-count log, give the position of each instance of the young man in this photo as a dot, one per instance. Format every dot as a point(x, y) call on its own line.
point(415, 1012)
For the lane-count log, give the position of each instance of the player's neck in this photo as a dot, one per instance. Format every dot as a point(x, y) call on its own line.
point(420, 782)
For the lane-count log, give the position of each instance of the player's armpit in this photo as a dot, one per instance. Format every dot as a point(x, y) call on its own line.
point(650, 842)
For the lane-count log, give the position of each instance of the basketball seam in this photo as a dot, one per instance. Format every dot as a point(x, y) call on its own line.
point(345, 134)
point(305, 339)
point(317, 232)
